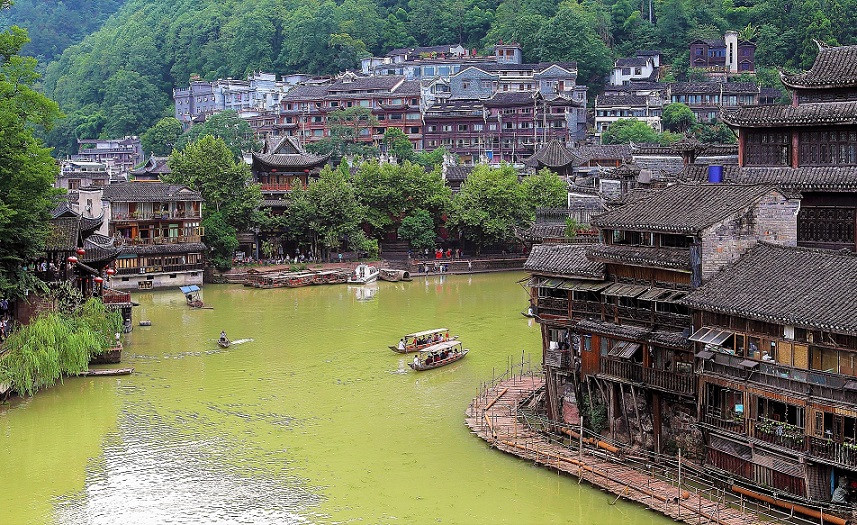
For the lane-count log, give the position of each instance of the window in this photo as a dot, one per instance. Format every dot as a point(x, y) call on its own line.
point(413, 130)
point(432, 128)
point(73, 184)
point(478, 127)
point(462, 127)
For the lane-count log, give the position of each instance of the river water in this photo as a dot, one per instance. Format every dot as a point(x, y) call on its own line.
point(312, 421)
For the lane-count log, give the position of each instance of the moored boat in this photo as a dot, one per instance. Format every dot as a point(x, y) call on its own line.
point(393, 275)
point(191, 294)
point(364, 274)
point(438, 355)
point(419, 340)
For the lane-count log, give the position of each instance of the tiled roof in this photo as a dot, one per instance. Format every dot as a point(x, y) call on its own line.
point(640, 256)
point(287, 152)
point(563, 259)
point(188, 247)
point(510, 98)
point(810, 114)
point(786, 285)
point(807, 178)
point(834, 67)
point(100, 250)
point(306, 92)
point(631, 62)
point(149, 192)
point(637, 86)
point(553, 155)
point(636, 333)
point(714, 87)
point(63, 235)
point(540, 232)
point(620, 100)
point(603, 152)
point(458, 173)
point(155, 165)
point(683, 208)
point(385, 82)
point(408, 87)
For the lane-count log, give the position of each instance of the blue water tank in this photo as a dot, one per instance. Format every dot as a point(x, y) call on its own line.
point(715, 174)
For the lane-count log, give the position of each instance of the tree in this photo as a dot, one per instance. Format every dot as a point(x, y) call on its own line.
point(131, 104)
point(572, 35)
point(489, 206)
point(431, 159)
point(678, 117)
point(162, 137)
point(231, 200)
point(399, 145)
point(625, 131)
point(418, 229)
point(717, 133)
point(545, 189)
point(27, 171)
point(226, 125)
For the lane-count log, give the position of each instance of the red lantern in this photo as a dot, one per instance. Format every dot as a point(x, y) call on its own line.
point(98, 280)
point(81, 251)
point(111, 271)
point(72, 259)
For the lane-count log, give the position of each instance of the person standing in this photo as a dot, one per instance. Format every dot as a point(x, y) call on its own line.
point(469, 266)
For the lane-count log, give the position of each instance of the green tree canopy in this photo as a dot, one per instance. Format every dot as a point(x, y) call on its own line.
point(27, 171)
point(677, 117)
point(625, 131)
point(489, 206)
point(162, 137)
point(226, 125)
point(132, 103)
point(418, 229)
point(545, 189)
point(399, 145)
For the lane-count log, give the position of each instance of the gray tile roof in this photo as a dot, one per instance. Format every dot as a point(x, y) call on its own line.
point(786, 285)
point(553, 155)
point(807, 114)
point(640, 256)
point(631, 62)
point(635, 333)
point(713, 87)
point(306, 92)
point(458, 173)
point(808, 178)
point(620, 100)
point(149, 192)
point(563, 259)
point(833, 67)
point(683, 208)
point(383, 82)
point(510, 98)
point(603, 152)
point(186, 247)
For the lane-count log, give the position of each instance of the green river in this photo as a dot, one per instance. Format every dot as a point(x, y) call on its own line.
point(313, 421)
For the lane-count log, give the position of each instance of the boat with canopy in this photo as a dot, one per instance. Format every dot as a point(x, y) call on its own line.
point(414, 342)
point(191, 294)
point(438, 355)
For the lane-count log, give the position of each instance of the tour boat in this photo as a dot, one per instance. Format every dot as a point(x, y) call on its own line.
point(191, 294)
point(438, 355)
point(364, 274)
point(419, 340)
point(392, 275)
point(224, 343)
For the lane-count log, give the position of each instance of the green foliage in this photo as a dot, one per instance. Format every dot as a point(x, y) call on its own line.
point(226, 125)
point(545, 189)
point(594, 414)
point(132, 103)
point(162, 137)
point(625, 131)
point(677, 117)
point(573, 35)
point(489, 206)
point(399, 145)
point(27, 171)
point(231, 200)
point(572, 227)
point(431, 160)
point(347, 127)
point(718, 133)
point(418, 229)
point(57, 343)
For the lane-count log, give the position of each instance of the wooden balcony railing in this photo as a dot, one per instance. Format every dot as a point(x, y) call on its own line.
point(553, 306)
point(280, 187)
point(167, 268)
point(780, 434)
point(715, 419)
point(585, 308)
point(110, 296)
point(164, 240)
point(842, 453)
point(622, 369)
point(671, 381)
point(130, 217)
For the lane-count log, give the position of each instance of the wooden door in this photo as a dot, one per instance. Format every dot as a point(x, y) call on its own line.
point(801, 356)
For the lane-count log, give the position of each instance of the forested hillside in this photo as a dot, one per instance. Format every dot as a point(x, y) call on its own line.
point(54, 25)
point(130, 64)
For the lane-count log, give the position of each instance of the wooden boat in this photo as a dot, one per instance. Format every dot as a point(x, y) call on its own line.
point(108, 372)
point(145, 323)
point(191, 294)
point(330, 277)
point(110, 356)
point(438, 355)
point(224, 343)
point(529, 313)
point(393, 275)
point(413, 341)
point(299, 280)
point(364, 274)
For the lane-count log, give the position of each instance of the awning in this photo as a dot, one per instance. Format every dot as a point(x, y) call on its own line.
point(662, 295)
point(710, 336)
point(705, 354)
point(626, 290)
point(748, 363)
point(583, 286)
point(125, 255)
point(623, 349)
point(189, 289)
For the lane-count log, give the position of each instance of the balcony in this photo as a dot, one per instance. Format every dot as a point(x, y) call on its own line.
point(716, 419)
point(841, 453)
point(779, 433)
point(553, 306)
point(280, 187)
point(684, 384)
point(138, 216)
point(812, 383)
point(181, 239)
point(586, 308)
point(170, 268)
point(622, 369)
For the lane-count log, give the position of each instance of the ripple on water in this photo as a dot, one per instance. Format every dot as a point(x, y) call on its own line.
point(152, 472)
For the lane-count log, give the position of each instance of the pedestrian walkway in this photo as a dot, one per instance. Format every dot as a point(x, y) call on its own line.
point(493, 416)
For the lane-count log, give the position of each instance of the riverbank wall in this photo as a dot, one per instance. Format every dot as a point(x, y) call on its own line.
point(496, 417)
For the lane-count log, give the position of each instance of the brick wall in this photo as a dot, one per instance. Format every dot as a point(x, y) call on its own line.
point(773, 219)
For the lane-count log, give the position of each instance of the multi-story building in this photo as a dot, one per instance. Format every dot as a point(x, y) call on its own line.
point(192, 101)
point(707, 98)
point(610, 108)
point(118, 155)
point(644, 67)
point(611, 313)
point(776, 347)
point(160, 227)
point(730, 55)
point(75, 174)
point(436, 62)
point(809, 146)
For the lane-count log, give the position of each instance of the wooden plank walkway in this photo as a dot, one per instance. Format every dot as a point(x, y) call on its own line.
point(493, 417)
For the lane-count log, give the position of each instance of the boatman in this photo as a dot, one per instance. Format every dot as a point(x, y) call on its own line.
point(402, 344)
point(416, 360)
point(223, 336)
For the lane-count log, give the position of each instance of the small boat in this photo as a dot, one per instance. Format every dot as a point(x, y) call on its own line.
point(145, 323)
point(529, 313)
point(419, 340)
point(364, 274)
point(224, 343)
point(108, 372)
point(191, 294)
point(392, 275)
point(438, 355)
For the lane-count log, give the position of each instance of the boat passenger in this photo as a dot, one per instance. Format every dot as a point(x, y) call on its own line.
point(429, 360)
point(416, 360)
point(401, 344)
point(223, 336)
